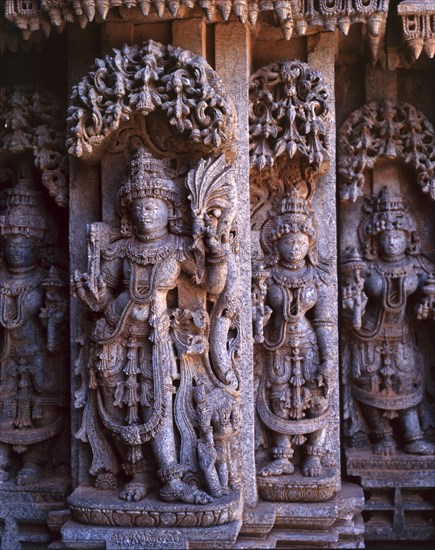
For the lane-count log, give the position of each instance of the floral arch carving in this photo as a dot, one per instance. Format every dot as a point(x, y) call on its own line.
point(139, 80)
point(289, 114)
point(385, 130)
point(31, 120)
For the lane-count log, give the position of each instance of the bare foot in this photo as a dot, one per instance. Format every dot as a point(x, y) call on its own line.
point(312, 466)
point(278, 467)
point(177, 490)
point(386, 446)
point(28, 476)
point(133, 492)
point(420, 447)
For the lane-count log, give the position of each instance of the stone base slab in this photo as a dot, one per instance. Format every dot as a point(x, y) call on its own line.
point(398, 489)
point(298, 488)
point(24, 512)
point(78, 536)
point(104, 508)
point(399, 470)
point(334, 524)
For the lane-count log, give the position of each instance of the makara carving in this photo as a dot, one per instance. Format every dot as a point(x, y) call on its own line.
point(418, 21)
point(142, 79)
point(160, 391)
point(288, 114)
point(31, 120)
point(387, 284)
point(385, 130)
point(30, 15)
point(32, 326)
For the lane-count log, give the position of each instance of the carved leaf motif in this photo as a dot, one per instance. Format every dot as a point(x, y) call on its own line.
point(142, 79)
point(31, 119)
point(288, 114)
point(385, 130)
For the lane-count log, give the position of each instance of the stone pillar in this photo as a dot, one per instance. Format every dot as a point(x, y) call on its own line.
point(233, 66)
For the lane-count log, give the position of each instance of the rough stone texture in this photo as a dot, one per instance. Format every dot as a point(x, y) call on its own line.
point(237, 39)
point(387, 414)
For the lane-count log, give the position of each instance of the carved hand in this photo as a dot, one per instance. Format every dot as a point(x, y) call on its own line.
point(95, 299)
point(213, 242)
point(324, 376)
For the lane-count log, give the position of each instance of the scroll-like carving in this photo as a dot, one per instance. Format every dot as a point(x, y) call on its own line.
point(288, 114)
point(386, 284)
point(418, 21)
point(296, 356)
point(32, 328)
point(31, 15)
point(385, 130)
point(158, 401)
point(31, 120)
point(142, 79)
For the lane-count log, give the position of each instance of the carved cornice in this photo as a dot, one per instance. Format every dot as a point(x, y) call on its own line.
point(385, 130)
point(290, 14)
point(418, 20)
point(137, 80)
point(31, 120)
point(289, 113)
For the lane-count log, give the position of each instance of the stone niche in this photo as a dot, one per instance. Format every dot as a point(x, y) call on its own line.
point(157, 369)
point(386, 164)
point(34, 363)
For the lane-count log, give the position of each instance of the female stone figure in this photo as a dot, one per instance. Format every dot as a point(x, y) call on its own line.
point(32, 326)
point(382, 292)
point(133, 362)
point(295, 387)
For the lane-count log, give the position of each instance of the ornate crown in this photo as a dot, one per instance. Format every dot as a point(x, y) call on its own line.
point(390, 211)
point(147, 179)
point(23, 212)
point(293, 203)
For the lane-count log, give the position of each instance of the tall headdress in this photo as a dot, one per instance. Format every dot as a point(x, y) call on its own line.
point(295, 216)
point(387, 211)
point(147, 178)
point(24, 213)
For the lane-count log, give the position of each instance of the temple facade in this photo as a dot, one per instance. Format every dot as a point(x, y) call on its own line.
point(217, 273)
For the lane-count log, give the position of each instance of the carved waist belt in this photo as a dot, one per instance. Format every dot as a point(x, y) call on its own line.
point(389, 402)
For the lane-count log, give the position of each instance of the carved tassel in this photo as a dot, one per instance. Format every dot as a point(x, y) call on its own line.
point(173, 7)
point(225, 9)
point(241, 10)
point(159, 6)
point(252, 12)
point(208, 7)
point(144, 6)
point(89, 9)
point(134, 453)
point(344, 25)
point(103, 7)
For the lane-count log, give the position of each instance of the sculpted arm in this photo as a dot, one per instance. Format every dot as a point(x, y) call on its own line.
point(324, 326)
point(98, 297)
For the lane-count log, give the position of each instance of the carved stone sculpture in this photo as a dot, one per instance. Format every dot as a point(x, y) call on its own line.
point(384, 286)
point(155, 387)
point(31, 120)
point(385, 130)
point(418, 21)
point(33, 315)
point(30, 15)
point(288, 114)
point(297, 359)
